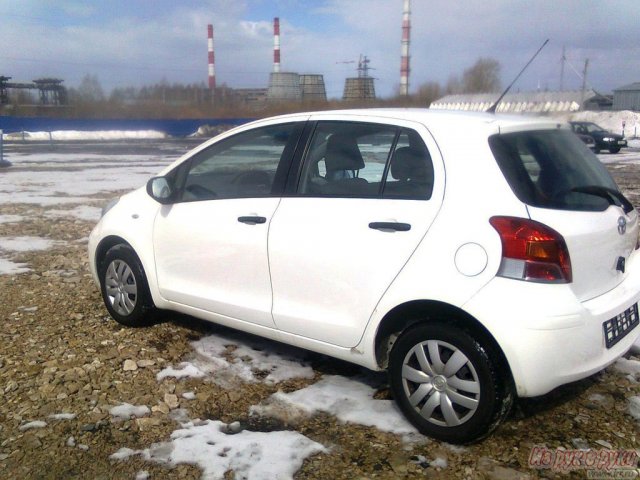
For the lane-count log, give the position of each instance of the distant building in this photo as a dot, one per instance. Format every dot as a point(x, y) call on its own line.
point(526, 102)
point(627, 97)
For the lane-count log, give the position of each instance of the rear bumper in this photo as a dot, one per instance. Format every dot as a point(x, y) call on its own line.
point(550, 338)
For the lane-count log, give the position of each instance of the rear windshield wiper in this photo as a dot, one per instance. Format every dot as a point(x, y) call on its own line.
point(613, 196)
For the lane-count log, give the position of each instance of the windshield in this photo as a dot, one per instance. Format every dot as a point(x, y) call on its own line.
point(554, 169)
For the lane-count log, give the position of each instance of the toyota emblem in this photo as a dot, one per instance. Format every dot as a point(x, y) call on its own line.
point(622, 225)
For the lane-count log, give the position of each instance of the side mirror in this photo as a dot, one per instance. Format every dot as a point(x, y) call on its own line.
point(160, 190)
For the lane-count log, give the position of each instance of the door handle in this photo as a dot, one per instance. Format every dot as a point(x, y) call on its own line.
point(250, 220)
point(390, 226)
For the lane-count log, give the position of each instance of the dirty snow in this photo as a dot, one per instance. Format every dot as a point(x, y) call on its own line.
point(248, 454)
point(348, 399)
point(227, 358)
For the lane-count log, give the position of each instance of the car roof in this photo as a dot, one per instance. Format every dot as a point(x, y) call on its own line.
point(434, 118)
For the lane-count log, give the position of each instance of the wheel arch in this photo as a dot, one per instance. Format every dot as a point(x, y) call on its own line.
point(105, 245)
point(404, 316)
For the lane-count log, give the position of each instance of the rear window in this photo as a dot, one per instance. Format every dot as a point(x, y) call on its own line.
point(554, 169)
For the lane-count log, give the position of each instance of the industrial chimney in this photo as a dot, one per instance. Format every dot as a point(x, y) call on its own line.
point(404, 62)
point(212, 68)
point(276, 45)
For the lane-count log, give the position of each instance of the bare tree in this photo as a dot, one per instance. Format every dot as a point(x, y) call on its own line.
point(482, 77)
point(90, 90)
point(428, 92)
point(453, 85)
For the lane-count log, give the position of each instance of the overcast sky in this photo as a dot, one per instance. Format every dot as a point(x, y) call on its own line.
point(137, 42)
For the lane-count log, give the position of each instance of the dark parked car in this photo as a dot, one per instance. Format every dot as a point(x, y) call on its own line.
point(604, 140)
point(588, 140)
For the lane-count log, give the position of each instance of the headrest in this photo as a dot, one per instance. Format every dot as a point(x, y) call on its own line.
point(343, 153)
point(408, 163)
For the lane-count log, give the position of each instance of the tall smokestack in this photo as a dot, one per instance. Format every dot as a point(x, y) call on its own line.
point(404, 62)
point(212, 60)
point(276, 45)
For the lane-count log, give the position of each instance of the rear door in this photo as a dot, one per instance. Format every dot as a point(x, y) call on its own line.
point(567, 188)
point(366, 196)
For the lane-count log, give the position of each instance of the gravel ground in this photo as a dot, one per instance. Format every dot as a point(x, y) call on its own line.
point(61, 353)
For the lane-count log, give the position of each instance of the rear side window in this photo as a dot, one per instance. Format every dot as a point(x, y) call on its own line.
point(554, 169)
point(366, 161)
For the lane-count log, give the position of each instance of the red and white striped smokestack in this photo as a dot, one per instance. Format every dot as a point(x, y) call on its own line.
point(276, 45)
point(404, 61)
point(212, 59)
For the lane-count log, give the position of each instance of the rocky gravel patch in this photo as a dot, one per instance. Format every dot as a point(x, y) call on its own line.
point(75, 388)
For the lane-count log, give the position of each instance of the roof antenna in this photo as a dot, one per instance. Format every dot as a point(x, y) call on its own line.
point(492, 108)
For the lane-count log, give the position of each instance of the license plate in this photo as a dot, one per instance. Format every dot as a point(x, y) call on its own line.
point(621, 142)
point(620, 325)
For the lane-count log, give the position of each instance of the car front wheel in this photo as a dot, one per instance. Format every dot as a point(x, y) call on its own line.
point(448, 384)
point(124, 287)
point(614, 149)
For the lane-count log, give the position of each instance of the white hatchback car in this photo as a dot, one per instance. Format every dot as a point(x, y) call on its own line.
point(473, 256)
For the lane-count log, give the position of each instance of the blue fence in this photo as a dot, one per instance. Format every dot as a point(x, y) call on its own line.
point(175, 128)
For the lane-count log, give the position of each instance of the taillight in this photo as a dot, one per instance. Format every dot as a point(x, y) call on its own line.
point(532, 251)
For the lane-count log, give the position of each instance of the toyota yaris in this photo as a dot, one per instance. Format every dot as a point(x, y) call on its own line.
point(474, 257)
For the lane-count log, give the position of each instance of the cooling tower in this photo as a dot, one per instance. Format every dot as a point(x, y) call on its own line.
point(312, 88)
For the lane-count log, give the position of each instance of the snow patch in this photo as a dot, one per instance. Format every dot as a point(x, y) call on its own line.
point(350, 400)
point(81, 212)
point(186, 370)
point(85, 135)
point(7, 267)
point(11, 218)
point(34, 424)
point(26, 244)
point(250, 455)
point(628, 366)
point(125, 411)
point(63, 416)
point(634, 407)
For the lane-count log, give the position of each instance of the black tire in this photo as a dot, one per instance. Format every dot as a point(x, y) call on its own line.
point(479, 413)
point(124, 287)
point(614, 149)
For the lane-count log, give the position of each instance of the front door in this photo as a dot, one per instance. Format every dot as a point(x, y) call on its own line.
point(211, 245)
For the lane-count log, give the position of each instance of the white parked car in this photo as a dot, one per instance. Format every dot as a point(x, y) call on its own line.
point(473, 256)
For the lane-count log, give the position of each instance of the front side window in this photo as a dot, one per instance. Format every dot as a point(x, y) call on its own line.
point(241, 166)
point(366, 160)
point(554, 169)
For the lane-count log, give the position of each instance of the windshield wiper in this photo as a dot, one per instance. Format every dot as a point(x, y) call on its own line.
point(613, 196)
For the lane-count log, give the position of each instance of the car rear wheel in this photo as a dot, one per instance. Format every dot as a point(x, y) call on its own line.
point(614, 149)
point(124, 287)
point(448, 384)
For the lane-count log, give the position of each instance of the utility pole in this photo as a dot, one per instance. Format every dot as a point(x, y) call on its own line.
point(562, 62)
point(584, 83)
